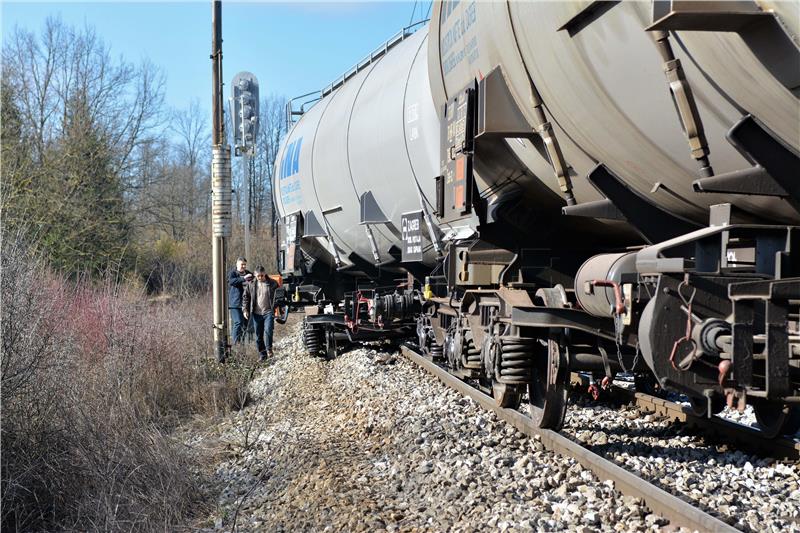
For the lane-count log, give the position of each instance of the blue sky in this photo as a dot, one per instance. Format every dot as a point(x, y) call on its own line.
point(292, 48)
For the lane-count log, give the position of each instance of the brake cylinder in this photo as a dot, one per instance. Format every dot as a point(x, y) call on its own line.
point(602, 300)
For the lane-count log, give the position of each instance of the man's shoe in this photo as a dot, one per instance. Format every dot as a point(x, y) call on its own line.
point(262, 356)
point(270, 353)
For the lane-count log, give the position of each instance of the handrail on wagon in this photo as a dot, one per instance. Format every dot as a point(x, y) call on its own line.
point(377, 53)
point(290, 112)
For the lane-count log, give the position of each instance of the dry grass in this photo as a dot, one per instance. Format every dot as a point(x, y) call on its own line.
point(94, 380)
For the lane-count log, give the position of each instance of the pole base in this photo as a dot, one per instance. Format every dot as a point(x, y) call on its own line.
point(222, 352)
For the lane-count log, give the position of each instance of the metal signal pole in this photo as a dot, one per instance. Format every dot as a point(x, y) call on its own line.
point(220, 192)
point(248, 177)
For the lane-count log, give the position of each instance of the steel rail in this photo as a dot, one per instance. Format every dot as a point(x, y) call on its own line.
point(742, 436)
point(715, 428)
point(677, 511)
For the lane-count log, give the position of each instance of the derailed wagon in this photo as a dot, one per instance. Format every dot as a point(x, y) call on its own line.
point(602, 187)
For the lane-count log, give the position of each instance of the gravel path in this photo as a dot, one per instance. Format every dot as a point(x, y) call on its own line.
point(749, 492)
point(369, 442)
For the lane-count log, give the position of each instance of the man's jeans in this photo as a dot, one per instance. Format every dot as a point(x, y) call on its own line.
point(238, 325)
point(264, 324)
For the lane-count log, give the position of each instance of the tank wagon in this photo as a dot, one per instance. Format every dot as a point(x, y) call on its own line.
point(534, 188)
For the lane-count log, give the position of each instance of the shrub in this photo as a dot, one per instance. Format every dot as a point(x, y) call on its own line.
point(94, 379)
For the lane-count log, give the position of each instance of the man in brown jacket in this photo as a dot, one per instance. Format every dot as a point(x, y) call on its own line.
point(258, 301)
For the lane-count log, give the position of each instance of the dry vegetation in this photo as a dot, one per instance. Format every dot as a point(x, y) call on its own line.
point(94, 378)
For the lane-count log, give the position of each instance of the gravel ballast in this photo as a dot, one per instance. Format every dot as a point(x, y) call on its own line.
point(751, 493)
point(370, 442)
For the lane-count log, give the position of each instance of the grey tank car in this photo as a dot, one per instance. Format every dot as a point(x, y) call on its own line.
point(534, 188)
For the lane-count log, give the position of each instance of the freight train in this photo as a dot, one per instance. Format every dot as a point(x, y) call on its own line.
point(533, 188)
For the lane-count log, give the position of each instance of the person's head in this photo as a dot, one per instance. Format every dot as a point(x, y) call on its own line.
point(241, 264)
point(261, 273)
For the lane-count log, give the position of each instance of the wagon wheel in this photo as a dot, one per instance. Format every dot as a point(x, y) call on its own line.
point(330, 343)
point(548, 389)
point(776, 418)
point(423, 338)
point(506, 395)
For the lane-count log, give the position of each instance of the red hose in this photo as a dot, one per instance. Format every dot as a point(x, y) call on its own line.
point(619, 304)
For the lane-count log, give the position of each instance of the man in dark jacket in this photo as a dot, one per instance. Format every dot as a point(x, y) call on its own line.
point(236, 280)
point(258, 301)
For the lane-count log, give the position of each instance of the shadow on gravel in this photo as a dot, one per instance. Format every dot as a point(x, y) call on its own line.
point(655, 433)
point(675, 453)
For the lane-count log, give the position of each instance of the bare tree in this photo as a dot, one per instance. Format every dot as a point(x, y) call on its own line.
point(64, 67)
point(192, 157)
point(271, 132)
point(102, 173)
point(84, 116)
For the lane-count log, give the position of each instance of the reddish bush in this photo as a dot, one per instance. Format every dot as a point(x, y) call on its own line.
point(94, 378)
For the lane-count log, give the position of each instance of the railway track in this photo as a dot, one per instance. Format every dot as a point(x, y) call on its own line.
point(714, 429)
point(677, 511)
